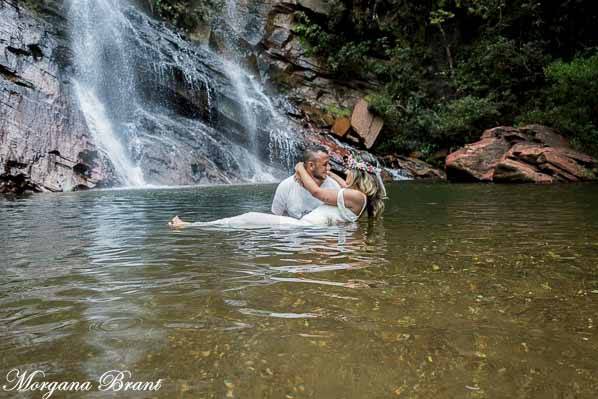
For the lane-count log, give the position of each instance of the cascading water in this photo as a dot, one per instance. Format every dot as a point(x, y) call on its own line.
point(246, 18)
point(257, 106)
point(104, 80)
point(162, 105)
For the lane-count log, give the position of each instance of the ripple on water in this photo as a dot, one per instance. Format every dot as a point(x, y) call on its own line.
point(115, 324)
point(472, 277)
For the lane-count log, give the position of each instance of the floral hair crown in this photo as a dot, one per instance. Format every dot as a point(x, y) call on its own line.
point(351, 163)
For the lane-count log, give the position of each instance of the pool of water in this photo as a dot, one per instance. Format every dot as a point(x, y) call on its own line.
point(480, 291)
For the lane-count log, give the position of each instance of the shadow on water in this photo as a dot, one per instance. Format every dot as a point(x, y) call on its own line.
point(460, 291)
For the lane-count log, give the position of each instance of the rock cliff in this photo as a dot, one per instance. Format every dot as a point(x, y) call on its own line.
point(45, 144)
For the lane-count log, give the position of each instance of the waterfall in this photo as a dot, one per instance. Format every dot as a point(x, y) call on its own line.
point(100, 125)
point(104, 79)
point(166, 111)
point(258, 108)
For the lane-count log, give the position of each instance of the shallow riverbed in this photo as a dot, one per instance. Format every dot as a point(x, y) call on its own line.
point(477, 291)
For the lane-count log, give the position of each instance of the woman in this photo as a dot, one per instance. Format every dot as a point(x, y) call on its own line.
point(362, 190)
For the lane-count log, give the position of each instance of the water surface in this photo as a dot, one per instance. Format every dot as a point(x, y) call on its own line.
point(477, 291)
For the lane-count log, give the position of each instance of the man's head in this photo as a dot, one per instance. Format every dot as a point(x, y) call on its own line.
point(316, 161)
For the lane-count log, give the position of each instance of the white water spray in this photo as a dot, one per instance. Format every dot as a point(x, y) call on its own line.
point(101, 127)
point(104, 80)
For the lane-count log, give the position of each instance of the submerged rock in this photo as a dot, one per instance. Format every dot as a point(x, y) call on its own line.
point(531, 154)
point(413, 168)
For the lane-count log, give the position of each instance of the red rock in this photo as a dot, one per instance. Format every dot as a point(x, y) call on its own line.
point(375, 129)
point(559, 174)
point(511, 171)
point(560, 160)
point(582, 158)
point(476, 162)
point(545, 135)
point(341, 126)
point(532, 154)
point(562, 163)
point(366, 124)
point(510, 134)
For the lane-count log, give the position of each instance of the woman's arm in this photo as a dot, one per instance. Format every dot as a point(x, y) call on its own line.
point(327, 196)
point(354, 199)
point(341, 182)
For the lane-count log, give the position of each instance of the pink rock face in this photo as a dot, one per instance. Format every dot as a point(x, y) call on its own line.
point(477, 161)
point(510, 170)
point(504, 132)
point(366, 124)
point(545, 135)
point(532, 154)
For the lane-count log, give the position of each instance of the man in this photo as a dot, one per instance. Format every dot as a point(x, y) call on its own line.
point(291, 199)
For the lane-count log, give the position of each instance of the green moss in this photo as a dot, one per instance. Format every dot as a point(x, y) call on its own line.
point(337, 111)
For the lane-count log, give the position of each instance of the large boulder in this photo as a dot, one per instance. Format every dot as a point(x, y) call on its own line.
point(510, 170)
point(541, 164)
point(531, 154)
point(341, 127)
point(366, 124)
point(477, 161)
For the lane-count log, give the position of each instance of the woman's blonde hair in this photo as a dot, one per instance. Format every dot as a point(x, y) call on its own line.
point(373, 188)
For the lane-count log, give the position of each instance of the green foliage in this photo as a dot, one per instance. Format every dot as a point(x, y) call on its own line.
point(461, 120)
point(341, 57)
point(420, 127)
point(448, 69)
point(501, 67)
point(570, 102)
point(445, 70)
point(338, 112)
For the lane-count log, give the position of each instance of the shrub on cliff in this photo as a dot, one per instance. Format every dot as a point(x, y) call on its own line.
point(452, 68)
point(570, 101)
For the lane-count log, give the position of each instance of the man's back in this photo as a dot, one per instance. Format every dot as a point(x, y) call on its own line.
point(295, 201)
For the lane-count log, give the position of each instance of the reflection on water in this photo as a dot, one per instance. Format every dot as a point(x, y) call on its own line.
point(460, 291)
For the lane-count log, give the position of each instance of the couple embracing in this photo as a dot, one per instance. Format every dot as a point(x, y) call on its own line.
point(315, 196)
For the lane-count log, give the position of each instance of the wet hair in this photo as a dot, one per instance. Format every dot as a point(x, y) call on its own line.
point(310, 152)
point(368, 184)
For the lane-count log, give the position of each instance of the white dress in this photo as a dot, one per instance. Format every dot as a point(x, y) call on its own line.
point(322, 215)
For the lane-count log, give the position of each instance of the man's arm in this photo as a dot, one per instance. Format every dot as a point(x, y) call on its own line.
point(279, 203)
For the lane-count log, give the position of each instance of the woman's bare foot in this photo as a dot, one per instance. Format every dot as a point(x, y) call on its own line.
point(176, 223)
